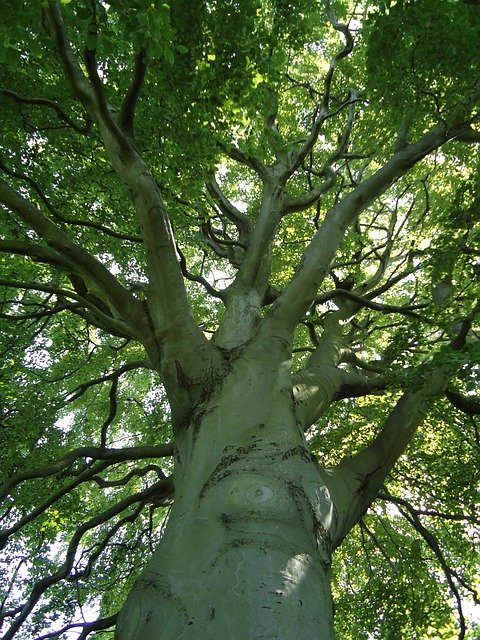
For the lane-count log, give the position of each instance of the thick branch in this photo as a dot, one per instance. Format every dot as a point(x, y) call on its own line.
point(245, 296)
point(470, 135)
point(86, 265)
point(103, 112)
point(127, 112)
point(365, 472)
point(315, 386)
point(468, 405)
point(175, 334)
point(315, 263)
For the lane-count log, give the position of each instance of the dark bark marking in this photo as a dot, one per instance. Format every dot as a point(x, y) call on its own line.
point(227, 460)
point(365, 480)
point(176, 454)
point(225, 518)
point(182, 379)
point(301, 498)
point(300, 451)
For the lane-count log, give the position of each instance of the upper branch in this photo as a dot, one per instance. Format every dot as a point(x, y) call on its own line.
point(300, 203)
point(323, 112)
point(170, 312)
point(43, 102)
point(239, 219)
point(369, 304)
point(54, 23)
point(316, 260)
point(364, 473)
point(117, 297)
point(127, 112)
point(237, 154)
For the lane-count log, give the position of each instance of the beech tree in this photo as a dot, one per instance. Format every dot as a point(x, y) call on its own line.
point(240, 275)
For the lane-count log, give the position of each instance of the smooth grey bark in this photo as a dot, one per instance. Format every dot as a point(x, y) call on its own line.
point(247, 549)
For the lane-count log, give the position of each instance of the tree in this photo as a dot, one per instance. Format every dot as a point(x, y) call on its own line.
point(240, 280)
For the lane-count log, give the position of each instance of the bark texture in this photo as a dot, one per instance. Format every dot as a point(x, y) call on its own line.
point(247, 550)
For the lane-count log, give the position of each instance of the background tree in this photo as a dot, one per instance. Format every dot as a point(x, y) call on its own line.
point(240, 276)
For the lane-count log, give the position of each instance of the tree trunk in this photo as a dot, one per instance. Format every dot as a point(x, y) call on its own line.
point(247, 549)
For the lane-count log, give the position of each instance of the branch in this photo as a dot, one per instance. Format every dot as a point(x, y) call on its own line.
point(114, 375)
point(321, 382)
point(245, 296)
point(98, 317)
point(43, 102)
point(236, 154)
point(239, 219)
point(431, 540)
point(365, 302)
point(470, 135)
point(41, 508)
point(315, 262)
point(460, 517)
point(104, 114)
point(365, 472)
point(37, 315)
point(87, 628)
point(113, 456)
point(134, 473)
point(194, 278)
point(54, 25)
point(170, 319)
point(127, 112)
point(315, 386)
point(300, 203)
point(112, 396)
point(323, 108)
point(354, 385)
point(87, 266)
point(470, 406)
point(74, 221)
point(37, 253)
